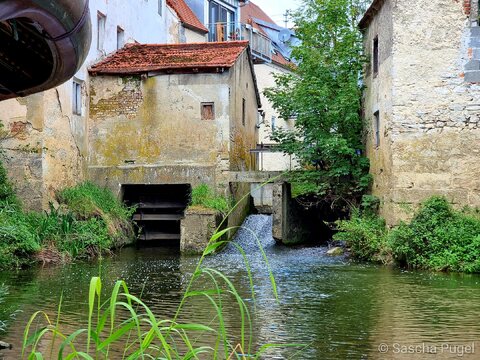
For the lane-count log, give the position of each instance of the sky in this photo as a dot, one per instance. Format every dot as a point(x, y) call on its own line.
point(276, 8)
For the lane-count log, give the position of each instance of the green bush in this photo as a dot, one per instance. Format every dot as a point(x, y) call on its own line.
point(366, 236)
point(439, 238)
point(89, 222)
point(203, 195)
point(88, 200)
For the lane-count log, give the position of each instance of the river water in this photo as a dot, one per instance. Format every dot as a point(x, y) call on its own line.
point(338, 309)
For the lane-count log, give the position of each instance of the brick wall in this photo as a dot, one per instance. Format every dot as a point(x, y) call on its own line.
point(125, 102)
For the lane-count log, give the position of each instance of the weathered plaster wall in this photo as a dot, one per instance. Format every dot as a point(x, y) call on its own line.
point(142, 128)
point(43, 145)
point(378, 97)
point(193, 36)
point(244, 134)
point(433, 130)
point(50, 142)
point(271, 161)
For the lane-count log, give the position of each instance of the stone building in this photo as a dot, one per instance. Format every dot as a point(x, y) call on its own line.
point(422, 102)
point(173, 114)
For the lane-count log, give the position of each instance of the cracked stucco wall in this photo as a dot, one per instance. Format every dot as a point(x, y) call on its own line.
point(429, 111)
point(43, 145)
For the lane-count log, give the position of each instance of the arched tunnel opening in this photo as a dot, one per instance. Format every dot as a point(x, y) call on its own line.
point(159, 210)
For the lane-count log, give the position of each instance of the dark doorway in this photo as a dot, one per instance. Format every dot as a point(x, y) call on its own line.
point(159, 211)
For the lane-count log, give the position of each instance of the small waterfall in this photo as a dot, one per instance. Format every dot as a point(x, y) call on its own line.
point(255, 230)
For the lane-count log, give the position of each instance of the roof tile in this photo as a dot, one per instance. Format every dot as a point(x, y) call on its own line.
point(141, 58)
point(186, 15)
point(250, 11)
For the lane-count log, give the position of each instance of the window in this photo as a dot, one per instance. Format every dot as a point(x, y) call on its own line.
point(222, 22)
point(274, 119)
point(376, 116)
point(375, 55)
point(101, 21)
point(160, 7)
point(243, 111)
point(77, 98)
point(120, 37)
point(208, 111)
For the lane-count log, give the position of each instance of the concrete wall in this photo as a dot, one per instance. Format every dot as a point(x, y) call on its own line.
point(274, 161)
point(431, 125)
point(197, 228)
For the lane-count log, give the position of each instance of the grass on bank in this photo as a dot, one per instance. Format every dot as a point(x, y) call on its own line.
point(88, 222)
point(438, 238)
point(203, 196)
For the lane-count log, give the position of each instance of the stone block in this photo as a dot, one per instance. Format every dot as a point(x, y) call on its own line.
point(197, 228)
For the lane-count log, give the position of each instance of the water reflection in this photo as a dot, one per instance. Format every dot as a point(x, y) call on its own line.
point(341, 310)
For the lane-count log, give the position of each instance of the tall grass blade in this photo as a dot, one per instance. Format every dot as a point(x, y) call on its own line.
point(95, 290)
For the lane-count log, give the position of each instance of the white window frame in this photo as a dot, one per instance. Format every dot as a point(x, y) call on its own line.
point(101, 25)
point(120, 37)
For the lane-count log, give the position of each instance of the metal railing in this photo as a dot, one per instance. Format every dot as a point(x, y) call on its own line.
point(260, 45)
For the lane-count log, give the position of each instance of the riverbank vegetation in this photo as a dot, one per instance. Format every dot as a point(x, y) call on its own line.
point(87, 222)
point(438, 237)
point(203, 196)
point(323, 94)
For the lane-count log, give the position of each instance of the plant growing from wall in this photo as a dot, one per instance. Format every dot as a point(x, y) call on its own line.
point(324, 94)
point(203, 196)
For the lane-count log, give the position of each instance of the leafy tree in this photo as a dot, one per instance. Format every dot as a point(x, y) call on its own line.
point(324, 94)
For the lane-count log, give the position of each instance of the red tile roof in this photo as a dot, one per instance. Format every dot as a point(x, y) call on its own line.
point(250, 10)
point(141, 58)
point(279, 59)
point(186, 15)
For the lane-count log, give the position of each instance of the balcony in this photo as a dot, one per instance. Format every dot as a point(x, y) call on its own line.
point(260, 45)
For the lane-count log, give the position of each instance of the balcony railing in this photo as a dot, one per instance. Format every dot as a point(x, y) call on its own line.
point(260, 45)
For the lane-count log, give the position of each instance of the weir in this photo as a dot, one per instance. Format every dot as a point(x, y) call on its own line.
point(163, 219)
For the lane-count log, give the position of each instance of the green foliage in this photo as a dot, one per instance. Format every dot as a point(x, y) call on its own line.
point(439, 238)
point(324, 95)
point(88, 200)
point(88, 222)
point(202, 195)
point(365, 235)
point(7, 194)
point(17, 240)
